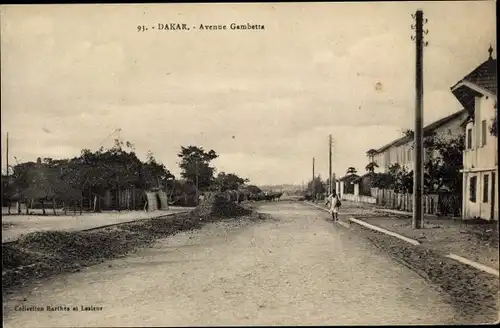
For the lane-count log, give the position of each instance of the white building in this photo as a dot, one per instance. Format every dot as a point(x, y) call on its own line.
point(477, 92)
point(401, 151)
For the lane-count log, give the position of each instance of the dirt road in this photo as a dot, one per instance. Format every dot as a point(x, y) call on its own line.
point(298, 269)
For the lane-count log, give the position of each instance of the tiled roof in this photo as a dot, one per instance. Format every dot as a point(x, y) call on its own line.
point(466, 97)
point(444, 120)
point(429, 128)
point(466, 120)
point(349, 177)
point(368, 174)
point(485, 76)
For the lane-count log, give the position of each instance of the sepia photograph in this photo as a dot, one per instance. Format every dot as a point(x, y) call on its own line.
point(249, 164)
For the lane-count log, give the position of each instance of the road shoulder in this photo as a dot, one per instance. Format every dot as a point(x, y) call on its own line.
point(470, 290)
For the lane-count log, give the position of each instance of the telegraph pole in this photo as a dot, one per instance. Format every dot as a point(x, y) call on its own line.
point(313, 185)
point(7, 173)
point(418, 177)
point(7, 156)
point(330, 185)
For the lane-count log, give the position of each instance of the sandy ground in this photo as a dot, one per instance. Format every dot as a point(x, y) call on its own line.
point(299, 269)
point(475, 242)
point(473, 293)
point(13, 226)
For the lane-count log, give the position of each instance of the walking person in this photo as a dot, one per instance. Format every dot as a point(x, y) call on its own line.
point(334, 203)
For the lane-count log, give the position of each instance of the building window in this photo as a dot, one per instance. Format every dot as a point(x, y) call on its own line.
point(485, 188)
point(472, 189)
point(469, 139)
point(483, 133)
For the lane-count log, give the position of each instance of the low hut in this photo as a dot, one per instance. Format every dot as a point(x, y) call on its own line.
point(156, 200)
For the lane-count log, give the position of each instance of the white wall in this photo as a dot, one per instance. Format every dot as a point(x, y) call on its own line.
point(399, 154)
point(486, 155)
point(359, 198)
point(481, 208)
point(481, 160)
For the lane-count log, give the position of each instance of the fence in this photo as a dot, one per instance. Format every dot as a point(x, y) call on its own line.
point(359, 198)
point(438, 204)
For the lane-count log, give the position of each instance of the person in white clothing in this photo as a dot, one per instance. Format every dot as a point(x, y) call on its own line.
point(334, 203)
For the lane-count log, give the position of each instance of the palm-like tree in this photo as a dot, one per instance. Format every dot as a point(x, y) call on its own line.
point(351, 170)
point(370, 167)
point(494, 127)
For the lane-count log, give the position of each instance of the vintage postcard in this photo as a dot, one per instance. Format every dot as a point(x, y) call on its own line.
point(207, 164)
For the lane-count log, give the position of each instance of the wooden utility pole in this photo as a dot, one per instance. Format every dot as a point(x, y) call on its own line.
point(330, 184)
point(418, 177)
point(334, 183)
point(313, 185)
point(7, 172)
point(7, 156)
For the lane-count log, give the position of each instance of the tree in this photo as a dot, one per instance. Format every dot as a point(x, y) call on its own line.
point(42, 181)
point(23, 175)
point(8, 191)
point(408, 133)
point(494, 127)
point(117, 167)
point(195, 164)
point(154, 173)
point(229, 181)
point(382, 181)
point(440, 170)
point(402, 179)
point(351, 170)
point(371, 155)
point(398, 178)
point(319, 187)
point(93, 172)
point(108, 169)
point(327, 183)
point(370, 167)
point(428, 137)
point(254, 189)
point(443, 170)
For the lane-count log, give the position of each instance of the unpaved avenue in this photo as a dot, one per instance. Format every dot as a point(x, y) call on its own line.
point(299, 269)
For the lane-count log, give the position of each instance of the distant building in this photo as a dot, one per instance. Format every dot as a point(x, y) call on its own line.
point(401, 150)
point(477, 92)
point(347, 185)
point(363, 184)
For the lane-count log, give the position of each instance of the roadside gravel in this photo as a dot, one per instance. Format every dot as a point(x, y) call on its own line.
point(44, 254)
point(472, 292)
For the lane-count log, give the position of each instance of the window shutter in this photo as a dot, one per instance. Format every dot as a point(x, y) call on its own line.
point(485, 188)
point(469, 139)
point(483, 133)
point(472, 189)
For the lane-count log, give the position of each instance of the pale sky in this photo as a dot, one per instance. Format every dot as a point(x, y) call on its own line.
point(71, 74)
